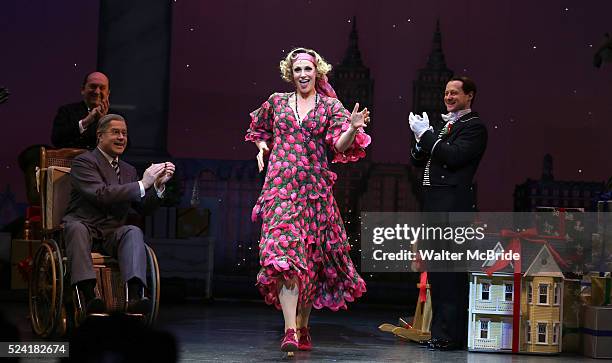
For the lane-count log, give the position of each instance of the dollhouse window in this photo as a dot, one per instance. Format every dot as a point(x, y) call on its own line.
point(484, 329)
point(528, 332)
point(509, 292)
point(530, 293)
point(543, 293)
point(485, 291)
point(556, 294)
point(542, 332)
point(556, 333)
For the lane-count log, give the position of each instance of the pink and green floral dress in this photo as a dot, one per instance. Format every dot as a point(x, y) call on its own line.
point(302, 234)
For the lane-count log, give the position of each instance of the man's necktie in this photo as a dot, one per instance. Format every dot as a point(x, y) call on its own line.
point(115, 165)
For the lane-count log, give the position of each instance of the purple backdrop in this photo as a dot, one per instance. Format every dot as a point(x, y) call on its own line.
point(538, 89)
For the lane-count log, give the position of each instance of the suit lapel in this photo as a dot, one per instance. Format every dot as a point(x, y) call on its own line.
point(124, 171)
point(467, 117)
point(107, 170)
point(459, 124)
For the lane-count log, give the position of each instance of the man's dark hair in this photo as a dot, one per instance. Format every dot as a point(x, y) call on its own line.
point(468, 85)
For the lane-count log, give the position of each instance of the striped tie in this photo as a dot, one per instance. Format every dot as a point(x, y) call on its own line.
point(115, 165)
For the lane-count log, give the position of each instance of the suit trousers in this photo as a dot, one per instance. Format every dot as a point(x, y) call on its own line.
point(125, 243)
point(449, 298)
point(449, 286)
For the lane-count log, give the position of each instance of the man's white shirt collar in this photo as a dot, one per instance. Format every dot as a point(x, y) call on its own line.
point(108, 158)
point(454, 116)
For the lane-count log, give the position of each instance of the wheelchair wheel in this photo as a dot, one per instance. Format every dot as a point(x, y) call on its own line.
point(152, 285)
point(46, 289)
point(63, 324)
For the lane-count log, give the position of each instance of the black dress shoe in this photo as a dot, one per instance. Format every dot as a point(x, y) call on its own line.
point(95, 306)
point(449, 345)
point(139, 306)
point(443, 344)
point(423, 343)
point(432, 344)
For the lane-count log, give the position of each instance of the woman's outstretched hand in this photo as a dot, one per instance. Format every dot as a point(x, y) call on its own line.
point(263, 151)
point(361, 118)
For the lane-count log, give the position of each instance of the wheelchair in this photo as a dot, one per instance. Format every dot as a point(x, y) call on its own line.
point(55, 306)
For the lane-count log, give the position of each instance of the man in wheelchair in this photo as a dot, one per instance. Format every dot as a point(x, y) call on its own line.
point(104, 189)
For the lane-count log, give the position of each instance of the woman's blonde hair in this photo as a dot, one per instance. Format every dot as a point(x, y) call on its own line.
point(286, 65)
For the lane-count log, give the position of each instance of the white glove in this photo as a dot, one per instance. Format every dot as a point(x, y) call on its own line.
point(418, 124)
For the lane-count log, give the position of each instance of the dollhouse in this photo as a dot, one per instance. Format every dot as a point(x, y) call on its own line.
point(497, 304)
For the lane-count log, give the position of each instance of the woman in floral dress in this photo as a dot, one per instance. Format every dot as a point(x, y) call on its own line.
point(304, 250)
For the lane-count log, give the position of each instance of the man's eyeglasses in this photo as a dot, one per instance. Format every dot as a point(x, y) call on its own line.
point(116, 132)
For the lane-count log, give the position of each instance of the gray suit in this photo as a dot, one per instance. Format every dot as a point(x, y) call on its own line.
point(97, 212)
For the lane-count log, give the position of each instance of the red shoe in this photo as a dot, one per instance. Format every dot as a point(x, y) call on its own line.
point(289, 343)
point(305, 342)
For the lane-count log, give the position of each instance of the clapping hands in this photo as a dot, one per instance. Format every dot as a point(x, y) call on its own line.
point(418, 124)
point(151, 174)
point(158, 174)
point(97, 112)
point(166, 174)
point(101, 110)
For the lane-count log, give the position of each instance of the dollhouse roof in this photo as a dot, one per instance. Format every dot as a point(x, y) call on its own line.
point(544, 264)
point(480, 268)
point(488, 263)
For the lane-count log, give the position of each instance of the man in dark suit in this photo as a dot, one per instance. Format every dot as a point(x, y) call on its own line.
point(104, 188)
point(450, 156)
point(75, 124)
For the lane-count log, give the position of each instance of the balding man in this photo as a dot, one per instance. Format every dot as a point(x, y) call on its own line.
point(75, 124)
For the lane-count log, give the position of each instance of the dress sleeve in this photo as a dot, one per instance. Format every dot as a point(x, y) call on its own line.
point(262, 121)
point(339, 122)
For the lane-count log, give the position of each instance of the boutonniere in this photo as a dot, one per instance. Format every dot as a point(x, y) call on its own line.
point(447, 128)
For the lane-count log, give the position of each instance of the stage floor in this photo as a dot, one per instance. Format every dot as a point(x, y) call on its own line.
point(238, 331)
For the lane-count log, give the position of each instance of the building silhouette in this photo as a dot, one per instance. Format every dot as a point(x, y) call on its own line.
point(548, 192)
point(428, 88)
